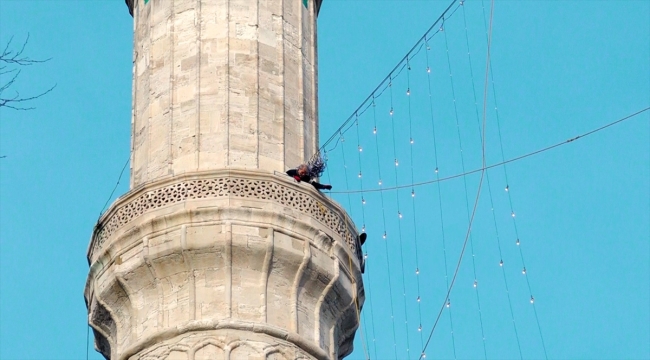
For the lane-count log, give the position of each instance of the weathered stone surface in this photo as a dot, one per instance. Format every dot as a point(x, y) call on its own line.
point(223, 84)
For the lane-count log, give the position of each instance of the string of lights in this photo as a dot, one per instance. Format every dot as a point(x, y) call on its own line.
point(462, 162)
point(399, 222)
point(507, 188)
point(415, 230)
point(363, 213)
point(489, 188)
point(478, 193)
point(385, 235)
point(440, 207)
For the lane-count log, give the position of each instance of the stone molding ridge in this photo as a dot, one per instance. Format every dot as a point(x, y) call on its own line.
point(225, 183)
point(228, 324)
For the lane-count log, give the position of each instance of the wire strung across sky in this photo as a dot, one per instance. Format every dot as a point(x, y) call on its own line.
point(517, 158)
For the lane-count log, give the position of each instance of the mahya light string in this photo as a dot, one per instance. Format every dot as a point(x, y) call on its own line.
point(384, 236)
point(415, 231)
point(478, 192)
point(399, 220)
point(442, 222)
point(462, 162)
point(487, 177)
point(363, 228)
point(507, 188)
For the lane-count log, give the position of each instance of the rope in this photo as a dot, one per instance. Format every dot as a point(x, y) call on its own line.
point(115, 187)
point(499, 163)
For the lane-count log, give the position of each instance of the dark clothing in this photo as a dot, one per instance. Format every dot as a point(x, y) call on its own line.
point(306, 178)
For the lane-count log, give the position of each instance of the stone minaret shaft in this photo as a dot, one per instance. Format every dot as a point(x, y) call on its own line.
point(214, 253)
point(222, 84)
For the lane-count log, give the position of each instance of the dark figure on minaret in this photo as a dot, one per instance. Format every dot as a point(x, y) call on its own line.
point(307, 172)
point(302, 173)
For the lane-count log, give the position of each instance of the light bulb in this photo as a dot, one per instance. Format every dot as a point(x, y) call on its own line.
point(417, 271)
point(359, 174)
point(374, 130)
point(462, 2)
point(412, 141)
point(501, 263)
point(408, 91)
point(448, 303)
point(342, 138)
point(363, 201)
point(436, 170)
point(360, 148)
point(424, 355)
point(513, 214)
point(384, 234)
point(475, 283)
point(523, 271)
point(428, 68)
point(442, 28)
point(412, 193)
point(396, 162)
point(363, 228)
point(420, 328)
point(507, 187)
point(418, 299)
point(517, 242)
point(532, 299)
point(399, 214)
point(379, 182)
point(365, 256)
point(391, 112)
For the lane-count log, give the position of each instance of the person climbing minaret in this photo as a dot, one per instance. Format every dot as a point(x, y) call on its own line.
point(307, 172)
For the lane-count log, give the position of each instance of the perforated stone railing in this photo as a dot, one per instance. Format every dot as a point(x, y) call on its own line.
point(223, 184)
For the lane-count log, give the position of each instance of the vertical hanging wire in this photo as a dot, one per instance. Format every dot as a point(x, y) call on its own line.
point(345, 170)
point(385, 235)
point(442, 222)
point(345, 167)
point(359, 151)
point(507, 188)
point(487, 176)
point(462, 162)
point(363, 212)
point(356, 299)
point(415, 231)
point(371, 308)
point(469, 57)
point(87, 341)
point(399, 220)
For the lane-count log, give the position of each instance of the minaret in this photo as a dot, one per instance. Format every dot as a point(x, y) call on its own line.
point(215, 253)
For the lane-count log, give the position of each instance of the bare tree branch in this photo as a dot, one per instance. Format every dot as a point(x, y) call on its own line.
point(13, 58)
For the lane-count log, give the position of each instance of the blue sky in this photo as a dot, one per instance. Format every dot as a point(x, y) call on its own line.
point(560, 69)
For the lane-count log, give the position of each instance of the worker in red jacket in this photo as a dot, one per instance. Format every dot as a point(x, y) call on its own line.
point(302, 173)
